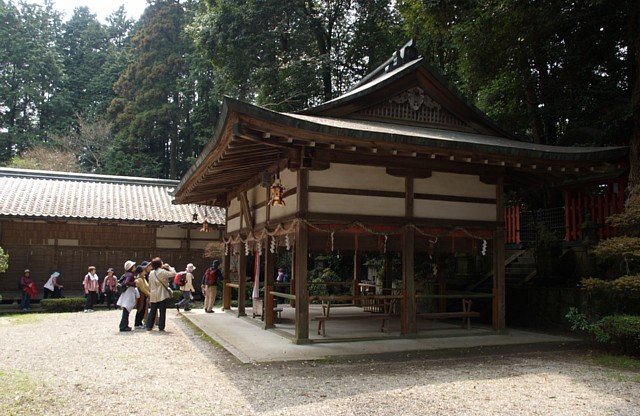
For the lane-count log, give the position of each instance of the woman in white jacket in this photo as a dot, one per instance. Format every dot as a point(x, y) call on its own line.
point(160, 293)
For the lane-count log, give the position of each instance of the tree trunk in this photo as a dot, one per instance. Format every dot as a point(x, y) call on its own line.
point(634, 142)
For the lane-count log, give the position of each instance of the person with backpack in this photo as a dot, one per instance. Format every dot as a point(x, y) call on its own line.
point(184, 281)
point(212, 276)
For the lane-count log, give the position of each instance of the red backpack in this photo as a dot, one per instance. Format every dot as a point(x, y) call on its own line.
point(210, 275)
point(180, 279)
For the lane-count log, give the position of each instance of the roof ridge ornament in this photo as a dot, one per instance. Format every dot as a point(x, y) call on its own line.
point(402, 56)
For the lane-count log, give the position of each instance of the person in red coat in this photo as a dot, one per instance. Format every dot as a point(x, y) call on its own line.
point(29, 290)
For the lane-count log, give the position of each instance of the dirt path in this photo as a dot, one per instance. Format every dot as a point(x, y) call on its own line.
point(79, 364)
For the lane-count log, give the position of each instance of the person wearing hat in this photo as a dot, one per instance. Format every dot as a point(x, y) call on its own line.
point(91, 287)
point(187, 289)
point(110, 288)
point(127, 299)
point(212, 276)
point(142, 303)
point(53, 289)
point(28, 288)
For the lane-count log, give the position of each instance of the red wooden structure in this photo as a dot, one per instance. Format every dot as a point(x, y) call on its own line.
point(585, 211)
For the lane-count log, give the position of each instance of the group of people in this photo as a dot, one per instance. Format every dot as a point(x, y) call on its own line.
point(28, 288)
point(145, 287)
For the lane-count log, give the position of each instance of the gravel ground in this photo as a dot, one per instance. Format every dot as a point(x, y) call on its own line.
point(79, 364)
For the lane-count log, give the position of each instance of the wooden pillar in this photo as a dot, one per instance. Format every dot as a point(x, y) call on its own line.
point(408, 320)
point(388, 269)
point(301, 253)
point(499, 313)
point(226, 292)
point(357, 273)
point(242, 282)
point(269, 262)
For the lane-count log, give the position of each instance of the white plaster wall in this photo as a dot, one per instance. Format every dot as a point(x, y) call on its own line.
point(289, 209)
point(256, 195)
point(356, 177)
point(234, 207)
point(355, 204)
point(454, 210)
point(233, 224)
point(454, 184)
point(260, 214)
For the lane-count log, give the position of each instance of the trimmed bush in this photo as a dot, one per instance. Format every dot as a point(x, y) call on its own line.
point(620, 333)
point(63, 304)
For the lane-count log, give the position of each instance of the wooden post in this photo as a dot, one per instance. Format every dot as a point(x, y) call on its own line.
point(301, 288)
point(269, 261)
point(242, 282)
point(357, 272)
point(567, 217)
point(408, 319)
point(226, 291)
point(498, 319)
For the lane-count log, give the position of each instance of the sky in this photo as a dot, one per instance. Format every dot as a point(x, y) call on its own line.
point(101, 8)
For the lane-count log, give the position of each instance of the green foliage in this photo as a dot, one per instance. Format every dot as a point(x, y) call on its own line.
point(31, 75)
point(165, 84)
point(4, 261)
point(553, 72)
point(620, 333)
point(288, 55)
point(625, 247)
point(320, 282)
point(63, 304)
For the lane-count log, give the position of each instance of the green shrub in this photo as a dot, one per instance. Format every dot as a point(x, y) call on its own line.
point(611, 297)
point(620, 333)
point(63, 304)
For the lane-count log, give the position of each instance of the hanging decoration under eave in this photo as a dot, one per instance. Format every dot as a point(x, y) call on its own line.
point(277, 192)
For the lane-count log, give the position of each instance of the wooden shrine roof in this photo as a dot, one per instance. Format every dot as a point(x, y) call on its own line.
point(404, 117)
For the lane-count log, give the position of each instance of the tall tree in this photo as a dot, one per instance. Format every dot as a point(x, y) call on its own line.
point(31, 75)
point(148, 105)
point(291, 54)
point(151, 113)
point(84, 45)
point(554, 71)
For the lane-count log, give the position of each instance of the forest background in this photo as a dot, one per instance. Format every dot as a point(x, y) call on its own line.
point(141, 98)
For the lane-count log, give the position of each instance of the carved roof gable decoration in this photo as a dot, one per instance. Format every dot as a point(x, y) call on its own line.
point(415, 106)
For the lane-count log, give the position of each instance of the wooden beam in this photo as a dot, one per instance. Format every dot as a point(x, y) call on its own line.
point(246, 211)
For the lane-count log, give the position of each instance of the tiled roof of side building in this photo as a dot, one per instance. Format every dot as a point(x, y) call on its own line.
point(57, 195)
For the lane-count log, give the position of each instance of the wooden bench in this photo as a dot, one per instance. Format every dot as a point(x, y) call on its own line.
point(323, 319)
point(466, 314)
